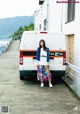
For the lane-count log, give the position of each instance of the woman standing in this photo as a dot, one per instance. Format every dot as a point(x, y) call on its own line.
point(42, 57)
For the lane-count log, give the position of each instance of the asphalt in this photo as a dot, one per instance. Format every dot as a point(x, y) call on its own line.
point(26, 97)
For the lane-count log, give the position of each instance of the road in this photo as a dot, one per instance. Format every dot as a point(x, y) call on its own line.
point(26, 97)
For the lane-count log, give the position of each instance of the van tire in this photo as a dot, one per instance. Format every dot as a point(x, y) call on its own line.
point(21, 77)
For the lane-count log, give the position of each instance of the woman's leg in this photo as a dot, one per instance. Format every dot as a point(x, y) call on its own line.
point(41, 75)
point(49, 78)
point(42, 84)
point(50, 84)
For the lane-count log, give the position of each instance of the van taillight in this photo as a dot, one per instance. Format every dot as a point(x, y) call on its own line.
point(64, 58)
point(21, 58)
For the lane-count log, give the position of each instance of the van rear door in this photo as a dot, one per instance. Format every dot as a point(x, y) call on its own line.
point(56, 44)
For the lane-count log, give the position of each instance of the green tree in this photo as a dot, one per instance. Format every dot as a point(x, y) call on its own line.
point(21, 29)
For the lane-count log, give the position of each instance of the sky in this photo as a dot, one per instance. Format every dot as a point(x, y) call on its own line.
point(12, 8)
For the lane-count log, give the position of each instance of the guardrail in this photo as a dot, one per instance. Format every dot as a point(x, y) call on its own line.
point(4, 45)
point(72, 77)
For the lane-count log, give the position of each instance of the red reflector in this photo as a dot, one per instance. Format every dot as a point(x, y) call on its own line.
point(43, 32)
point(64, 59)
point(21, 54)
point(21, 61)
point(21, 58)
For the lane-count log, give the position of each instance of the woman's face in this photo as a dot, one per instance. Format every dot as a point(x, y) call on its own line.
point(41, 43)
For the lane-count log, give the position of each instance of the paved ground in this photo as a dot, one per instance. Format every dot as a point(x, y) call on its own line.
point(26, 97)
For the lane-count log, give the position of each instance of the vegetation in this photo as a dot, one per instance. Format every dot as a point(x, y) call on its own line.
point(19, 32)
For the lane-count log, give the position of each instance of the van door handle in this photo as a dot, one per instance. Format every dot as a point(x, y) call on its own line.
point(34, 57)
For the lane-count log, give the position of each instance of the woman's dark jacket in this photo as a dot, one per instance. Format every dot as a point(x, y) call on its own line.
point(38, 54)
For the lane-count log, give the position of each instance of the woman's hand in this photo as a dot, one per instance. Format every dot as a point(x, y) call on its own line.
point(37, 64)
point(47, 64)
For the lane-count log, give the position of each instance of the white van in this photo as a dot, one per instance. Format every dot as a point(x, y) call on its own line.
point(28, 47)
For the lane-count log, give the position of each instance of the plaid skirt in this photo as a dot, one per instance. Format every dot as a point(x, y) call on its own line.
point(43, 73)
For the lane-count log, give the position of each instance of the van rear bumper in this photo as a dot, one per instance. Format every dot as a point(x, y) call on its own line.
point(34, 72)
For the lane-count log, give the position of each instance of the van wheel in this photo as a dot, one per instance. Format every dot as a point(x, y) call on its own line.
point(21, 77)
point(21, 74)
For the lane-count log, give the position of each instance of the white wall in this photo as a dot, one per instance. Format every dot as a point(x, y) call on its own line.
point(41, 16)
point(77, 36)
point(44, 13)
point(55, 15)
point(37, 19)
point(51, 11)
point(73, 28)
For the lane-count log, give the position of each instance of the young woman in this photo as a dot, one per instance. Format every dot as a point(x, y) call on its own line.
point(42, 57)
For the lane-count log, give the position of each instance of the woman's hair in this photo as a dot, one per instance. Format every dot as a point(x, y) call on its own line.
point(44, 44)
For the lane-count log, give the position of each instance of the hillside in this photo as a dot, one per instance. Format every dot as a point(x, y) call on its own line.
point(9, 25)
